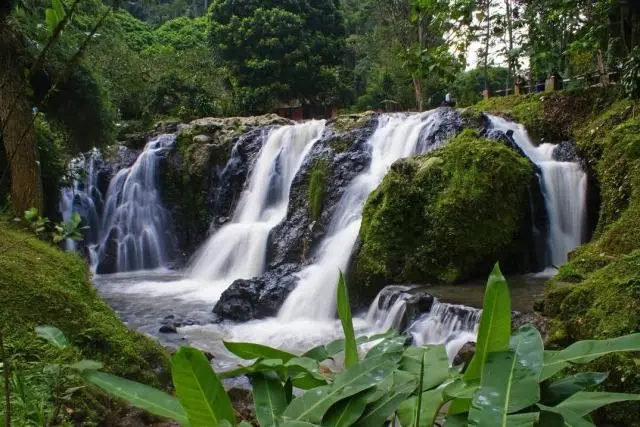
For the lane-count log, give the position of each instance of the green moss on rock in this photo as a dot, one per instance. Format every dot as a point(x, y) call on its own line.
point(39, 285)
point(443, 216)
point(316, 188)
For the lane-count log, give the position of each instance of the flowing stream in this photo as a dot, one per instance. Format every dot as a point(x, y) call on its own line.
point(564, 185)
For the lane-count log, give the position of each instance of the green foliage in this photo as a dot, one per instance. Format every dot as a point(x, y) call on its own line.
point(344, 312)
point(433, 218)
point(46, 229)
point(316, 189)
point(412, 384)
point(277, 50)
point(631, 74)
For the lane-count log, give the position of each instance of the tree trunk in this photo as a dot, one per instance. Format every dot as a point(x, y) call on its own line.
point(486, 47)
point(16, 124)
point(417, 87)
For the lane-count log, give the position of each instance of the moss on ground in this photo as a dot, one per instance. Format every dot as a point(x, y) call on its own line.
point(316, 188)
point(597, 294)
point(39, 285)
point(443, 216)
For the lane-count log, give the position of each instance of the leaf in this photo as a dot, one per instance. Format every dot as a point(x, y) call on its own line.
point(433, 358)
point(587, 351)
point(509, 381)
point(430, 402)
point(312, 405)
point(527, 419)
point(199, 390)
point(390, 345)
point(319, 353)
point(585, 402)
point(305, 373)
point(559, 390)
point(139, 395)
point(344, 312)
point(264, 365)
point(57, 7)
point(495, 323)
point(51, 18)
point(249, 351)
point(87, 365)
point(376, 413)
point(569, 418)
point(269, 399)
point(347, 411)
point(461, 389)
point(53, 335)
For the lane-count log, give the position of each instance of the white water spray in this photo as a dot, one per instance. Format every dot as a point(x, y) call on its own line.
point(564, 185)
point(134, 215)
point(239, 249)
point(396, 137)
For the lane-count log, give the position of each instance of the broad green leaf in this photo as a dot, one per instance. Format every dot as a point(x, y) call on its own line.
point(494, 331)
point(87, 365)
point(199, 390)
point(51, 18)
point(139, 395)
point(314, 403)
point(430, 402)
point(265, 365)
point(344, 312)
point(570, 418)
point(509, 381)
point(297, 424)
point(433, 358)
point(585, 402)
point(249, 351)
point(528, 419)
point(57, 7)
point(461, 389)
point(390, 345)
point(347, 411)
point(459, 420)
point(319, 353)
point(305, 373)
point(53, 335)
point(587, 351)
point(560, 390)
point(377, 412)
point(269, 399)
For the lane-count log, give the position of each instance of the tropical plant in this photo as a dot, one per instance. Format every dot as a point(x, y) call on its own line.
point(631, 75)
point(56, 232)
point(511, 380)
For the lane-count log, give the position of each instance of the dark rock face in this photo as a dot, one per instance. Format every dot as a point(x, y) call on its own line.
point(465, 354)
point(295, 238)
point(258, 297)
point(566, 152)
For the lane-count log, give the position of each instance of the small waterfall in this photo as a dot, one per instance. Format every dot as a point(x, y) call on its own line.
point(388, 310)
point(449, 324)
point(397, 136)
point(136, 228)
point(238, 250)
point(564, 185)
point(84, 197)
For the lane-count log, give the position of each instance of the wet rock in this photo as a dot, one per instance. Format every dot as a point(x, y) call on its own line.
point(209, 356)
point(168, 329)
point(258, 297)
point(294, 239)
point(540, 322)
point(465, 354)
point(566, 152)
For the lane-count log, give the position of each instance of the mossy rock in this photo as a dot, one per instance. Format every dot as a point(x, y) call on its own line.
point(445, 216)
point(41, 285)
point(348, 122)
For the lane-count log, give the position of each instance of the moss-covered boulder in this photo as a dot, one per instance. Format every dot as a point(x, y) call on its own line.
point(444, 216)
point(41, 285)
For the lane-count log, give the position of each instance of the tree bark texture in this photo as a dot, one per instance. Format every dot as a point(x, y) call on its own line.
point(16, 123)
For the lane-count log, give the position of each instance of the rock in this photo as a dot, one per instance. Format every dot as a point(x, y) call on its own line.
point(258, 297)
point(433, 218)
point(465, 354)
point(168, 329)
point(209, 356)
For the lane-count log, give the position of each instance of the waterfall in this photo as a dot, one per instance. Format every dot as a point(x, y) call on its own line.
point(83, 197)
point(136, 228)
point(238, 250)
point(396, 137)
point(564, 186)
point(449, 324)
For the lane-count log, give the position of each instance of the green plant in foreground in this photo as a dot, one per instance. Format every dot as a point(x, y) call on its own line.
point(511, 380)
point(48, 230)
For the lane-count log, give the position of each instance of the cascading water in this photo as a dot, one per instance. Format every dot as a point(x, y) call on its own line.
point(84, 197)
point(136, 228)
point(449, 324)
point(238, 250)
point(564, 185)
point(396, 137)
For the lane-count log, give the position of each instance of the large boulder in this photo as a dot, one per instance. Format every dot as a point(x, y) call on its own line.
point(444, 216)
point(258, 297)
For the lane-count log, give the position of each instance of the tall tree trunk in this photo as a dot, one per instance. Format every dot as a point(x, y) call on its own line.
point(16, 121)
point(417, 87)
point(486, 47)
point(510, 62)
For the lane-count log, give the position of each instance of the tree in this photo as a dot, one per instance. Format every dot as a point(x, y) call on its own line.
point(277, 50)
